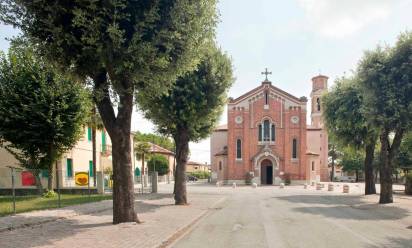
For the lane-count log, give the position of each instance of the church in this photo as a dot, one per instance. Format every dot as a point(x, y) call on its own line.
point(267, 139)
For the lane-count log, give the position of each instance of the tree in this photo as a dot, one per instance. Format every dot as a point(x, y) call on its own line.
point(157, 139)
point(141, 150)
point(190, 110)
point(346, 121)
point(352, 161)
point(41, 110)
point(158, 163)
point(385, 76)
point(404, 158)
point(95, 123)
point(120, 47)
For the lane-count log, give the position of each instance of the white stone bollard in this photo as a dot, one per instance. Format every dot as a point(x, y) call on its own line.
point(318, 186)
point(305, 186)
point(330, 187)
point(217, 184)
point(254, 185)
point(282, 185)
point(345, 188)
point(312, 183)
point(234, 185)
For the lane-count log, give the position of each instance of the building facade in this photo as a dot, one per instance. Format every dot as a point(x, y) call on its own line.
point(267, 139)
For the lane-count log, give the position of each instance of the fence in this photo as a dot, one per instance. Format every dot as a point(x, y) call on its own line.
point(20, 189)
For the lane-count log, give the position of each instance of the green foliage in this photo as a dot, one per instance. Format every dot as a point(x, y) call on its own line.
point(287, 179)
point(385, 76)
point(200, 174)
point(41, 110)
point(196, 101)
point(49, 194)
point(158, 163)
point(404, 158)
point(129, 39)
point(344, 115)
point(159, 140)
point(352, 160)
point(142, 149)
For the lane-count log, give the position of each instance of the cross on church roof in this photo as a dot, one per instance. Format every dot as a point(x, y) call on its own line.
point(266, 73)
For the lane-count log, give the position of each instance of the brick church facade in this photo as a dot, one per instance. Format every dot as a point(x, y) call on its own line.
point(268, 140)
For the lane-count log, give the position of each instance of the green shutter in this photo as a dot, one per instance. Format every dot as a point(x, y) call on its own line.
point(103, 141)
point(45, 173)
point(89, 133)
point(90, 168)
point(69, 167)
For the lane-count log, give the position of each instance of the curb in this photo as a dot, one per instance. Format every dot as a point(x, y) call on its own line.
point(183, 231)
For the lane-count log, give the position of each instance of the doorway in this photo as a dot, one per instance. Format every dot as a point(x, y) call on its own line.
point(266, 172)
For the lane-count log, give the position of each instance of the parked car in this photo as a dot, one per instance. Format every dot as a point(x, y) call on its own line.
point(350, 179)
point(191, 178)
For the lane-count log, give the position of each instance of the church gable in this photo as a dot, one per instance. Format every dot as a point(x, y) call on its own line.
point(274, 93)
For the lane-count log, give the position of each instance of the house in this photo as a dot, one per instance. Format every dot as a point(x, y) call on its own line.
point(196, 167)
point(158, 150)
point(78, 161)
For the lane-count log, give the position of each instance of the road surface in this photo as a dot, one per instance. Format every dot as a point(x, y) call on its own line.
point(295, 217)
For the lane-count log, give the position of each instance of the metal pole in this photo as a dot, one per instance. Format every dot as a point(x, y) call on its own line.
point(58, 186)
point(88, 182)
point(13, 190)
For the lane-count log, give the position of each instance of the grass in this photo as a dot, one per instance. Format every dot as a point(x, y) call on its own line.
point(30, 203)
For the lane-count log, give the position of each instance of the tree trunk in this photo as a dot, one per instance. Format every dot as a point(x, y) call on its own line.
point(357, 175)
point(387, 154)
point(118, 128)
point(182, 152)
point(385, 172)
point(50, 178)
point(39, 186)
point(370, 188)
point(142, 172)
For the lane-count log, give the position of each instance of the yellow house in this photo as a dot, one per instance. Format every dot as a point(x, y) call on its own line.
point(195, 167)
point(77, 160)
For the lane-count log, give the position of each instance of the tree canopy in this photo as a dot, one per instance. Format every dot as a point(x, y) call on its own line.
point(118, 46)
point(190, 110)
point(42, 111)
point(157, 139)
point(158, 163)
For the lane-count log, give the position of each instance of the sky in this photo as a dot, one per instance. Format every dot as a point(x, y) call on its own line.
point(295, 40)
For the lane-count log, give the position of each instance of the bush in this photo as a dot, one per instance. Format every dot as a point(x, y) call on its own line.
point(200, 174)
point(49, 194)
point(287, 179)
point(158, 163)
point(408, 184)
point(248, 179)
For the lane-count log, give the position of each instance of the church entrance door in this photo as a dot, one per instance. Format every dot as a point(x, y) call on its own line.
point(266, 172)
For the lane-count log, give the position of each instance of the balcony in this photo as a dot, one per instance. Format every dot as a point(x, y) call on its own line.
point(106, 150)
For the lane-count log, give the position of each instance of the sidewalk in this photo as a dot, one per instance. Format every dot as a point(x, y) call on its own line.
point(90, 225)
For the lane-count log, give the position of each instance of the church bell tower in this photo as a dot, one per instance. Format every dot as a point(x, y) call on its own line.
point(319, 86)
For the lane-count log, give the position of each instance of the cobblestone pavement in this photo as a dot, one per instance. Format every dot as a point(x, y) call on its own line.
point(89, 225)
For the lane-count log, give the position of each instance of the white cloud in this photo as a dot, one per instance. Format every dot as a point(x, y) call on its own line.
point(340, 18)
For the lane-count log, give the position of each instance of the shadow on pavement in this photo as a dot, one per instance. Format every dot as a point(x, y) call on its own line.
point(345, 207)
point(395, 243)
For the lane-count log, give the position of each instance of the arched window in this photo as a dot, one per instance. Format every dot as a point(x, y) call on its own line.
point(273, 133)
point(294, 148)
point(266, 98)
point(266, 130)
point(318, 103)
point(238, 149)
point(260, 132)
